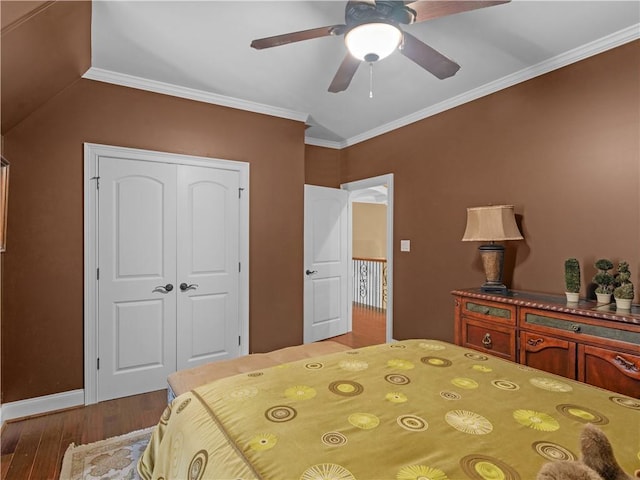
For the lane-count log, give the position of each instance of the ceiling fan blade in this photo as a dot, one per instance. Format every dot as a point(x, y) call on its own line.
point(285, 38)
point(345, 73)
point(430, 9)
point(428, 58)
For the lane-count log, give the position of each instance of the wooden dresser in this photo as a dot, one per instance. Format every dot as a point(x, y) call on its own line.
point(584, 341)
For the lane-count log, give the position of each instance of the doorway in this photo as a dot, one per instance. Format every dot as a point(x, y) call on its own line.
point(371, 282)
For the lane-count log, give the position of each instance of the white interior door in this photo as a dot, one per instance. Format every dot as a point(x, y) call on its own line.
point(137, 271)
point(326, 262)
point(208, 265)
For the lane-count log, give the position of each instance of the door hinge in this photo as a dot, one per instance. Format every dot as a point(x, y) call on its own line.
point(239, 340)
point(97, 363)
point(97, 274)
point(240, 189)
point(97, 179)
point(239, 267)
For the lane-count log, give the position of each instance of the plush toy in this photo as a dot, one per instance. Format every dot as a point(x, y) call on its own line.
point(597, 463)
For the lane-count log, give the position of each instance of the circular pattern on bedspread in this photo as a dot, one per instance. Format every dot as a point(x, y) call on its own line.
point(314, 366)
point(626, 402)
point(346, 388)
point(505, 385)
point(553, 451)
point(300, 392)
point(468, 422)
point(353, 365)
point(243, 394)
point(484, 467)
point(436, 361)
point(550, 384)
point(482, 368)
point(396, 397)
point(397, 379)
point(263, 441)
point(582, 414)
point(450, 395)
point(166, 415)
point(281, 413)
point(476, 356)
point(365, 421)
point(413, 423)
point(334, 439)
point(431, 346)
point(536, 420)
point(420, 472)
point(198, 465)
point(329, 471)
point(183, 405)
point(400, 364)
point(466, 383)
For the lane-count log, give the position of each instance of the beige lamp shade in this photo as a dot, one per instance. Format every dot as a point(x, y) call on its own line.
point(492, 223)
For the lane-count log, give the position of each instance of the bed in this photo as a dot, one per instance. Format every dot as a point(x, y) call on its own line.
point(405, 410)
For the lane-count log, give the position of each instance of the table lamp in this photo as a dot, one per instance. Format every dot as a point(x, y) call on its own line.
point(494, 223)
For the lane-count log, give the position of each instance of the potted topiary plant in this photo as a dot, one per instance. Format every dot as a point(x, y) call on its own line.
point(572, 280)
point(604, 280)
point(623, 292)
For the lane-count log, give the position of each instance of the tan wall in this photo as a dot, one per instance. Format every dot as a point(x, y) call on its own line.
point(322, 166)
point(45, 47)
point(42, 328)
point(564, 148)
point(369, 230)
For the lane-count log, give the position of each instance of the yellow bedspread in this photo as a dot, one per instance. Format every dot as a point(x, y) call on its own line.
point(408, 410)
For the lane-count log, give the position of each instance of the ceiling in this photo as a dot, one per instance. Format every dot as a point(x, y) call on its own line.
point(200, 50)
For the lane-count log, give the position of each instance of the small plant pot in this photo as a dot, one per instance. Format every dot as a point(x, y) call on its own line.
point(623, 304)
point(572, 297)
point(603, 298)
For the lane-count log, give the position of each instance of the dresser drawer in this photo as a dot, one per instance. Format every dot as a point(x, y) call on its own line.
point(576, 328)
point(489, 311)
point(491, 338)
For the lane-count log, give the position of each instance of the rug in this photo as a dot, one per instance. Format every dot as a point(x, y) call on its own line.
point(110, 459)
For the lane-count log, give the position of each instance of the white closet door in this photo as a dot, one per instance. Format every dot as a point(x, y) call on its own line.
point(137, 271)
point(208, 264)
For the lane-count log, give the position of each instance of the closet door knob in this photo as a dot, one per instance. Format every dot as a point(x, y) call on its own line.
point(184, 287)
point(163, 288)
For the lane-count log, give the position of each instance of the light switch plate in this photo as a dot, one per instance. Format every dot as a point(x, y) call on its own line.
point(405, 245)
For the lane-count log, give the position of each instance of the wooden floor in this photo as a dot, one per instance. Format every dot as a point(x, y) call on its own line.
point(369, 327)
point(32, 449)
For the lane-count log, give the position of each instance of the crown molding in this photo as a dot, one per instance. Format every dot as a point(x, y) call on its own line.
point(140, 83)
point(572, 56)
point(319, 142)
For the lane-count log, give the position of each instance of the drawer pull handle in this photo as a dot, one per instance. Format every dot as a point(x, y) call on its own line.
point(534, 342)
point(575, 327)
point(626, 364)
point(486, 340)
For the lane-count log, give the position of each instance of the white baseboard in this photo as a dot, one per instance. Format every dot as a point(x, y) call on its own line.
point(39, 405)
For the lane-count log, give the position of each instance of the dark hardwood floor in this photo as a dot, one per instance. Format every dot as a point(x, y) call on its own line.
point(369, 327)
point(33, 448)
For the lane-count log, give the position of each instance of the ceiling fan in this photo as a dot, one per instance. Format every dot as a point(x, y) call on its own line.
point(372, 31)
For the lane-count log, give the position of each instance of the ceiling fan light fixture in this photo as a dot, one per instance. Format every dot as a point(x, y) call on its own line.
point(373, 41)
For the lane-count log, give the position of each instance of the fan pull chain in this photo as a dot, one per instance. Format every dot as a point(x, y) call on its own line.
point(371, 80)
